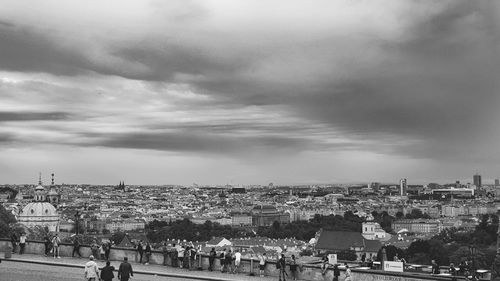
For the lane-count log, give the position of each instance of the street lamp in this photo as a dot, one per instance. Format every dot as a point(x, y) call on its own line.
point(472, 251)
point(77, 216)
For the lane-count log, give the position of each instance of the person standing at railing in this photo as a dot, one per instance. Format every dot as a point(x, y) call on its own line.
point(76, 247)
point(46, 243)
point(22, 243)
point(237, 261)
point(174, 255)
point(148, 253)
point(13, 241)
point(164, 251)
point(336, 272)
point(107, 250)
point(140, 250)
point(222, 259)
point(262, 264)
point(55, 245)
point(211, 259)
point(281, 265)
point(435, 267)
point(180, 256)
point(229, 261)
point(348, 273)
point(293, 267)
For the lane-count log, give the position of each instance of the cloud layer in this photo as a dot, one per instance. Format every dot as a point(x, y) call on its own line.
point(251, 81)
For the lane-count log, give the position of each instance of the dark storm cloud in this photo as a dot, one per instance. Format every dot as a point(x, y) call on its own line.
point(6, 138)
point(434, 82)
point(194, 142)
point(33, 116)
point(31, 50)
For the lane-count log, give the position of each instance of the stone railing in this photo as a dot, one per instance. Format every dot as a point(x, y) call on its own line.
point(307, 272)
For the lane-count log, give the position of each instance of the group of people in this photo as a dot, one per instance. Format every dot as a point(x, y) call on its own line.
point(21, 241)
point(51, 244)
point(183, 256)
point(230, 261)
point(325, 266)
point(92, 272)
point(101, 251)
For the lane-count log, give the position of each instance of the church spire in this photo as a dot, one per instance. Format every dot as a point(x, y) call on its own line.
point(52, 178)
point(39, 178)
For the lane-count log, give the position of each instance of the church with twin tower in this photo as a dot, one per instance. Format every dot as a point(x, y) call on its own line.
point(42, 210)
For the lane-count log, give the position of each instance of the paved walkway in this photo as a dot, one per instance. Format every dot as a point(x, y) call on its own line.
point(152, 269)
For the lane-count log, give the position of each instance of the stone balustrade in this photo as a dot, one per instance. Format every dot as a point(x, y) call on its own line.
point(308, 272)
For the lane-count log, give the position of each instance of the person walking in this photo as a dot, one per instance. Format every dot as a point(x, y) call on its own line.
point(148, 253)
point(55, 245)
point(22, 243)
point(281, 264)
point(91, 272)
point(76, 247)
point(125, 270)
point(107, 272)
point(293, 267)
point(262, 264)
point(336, 272)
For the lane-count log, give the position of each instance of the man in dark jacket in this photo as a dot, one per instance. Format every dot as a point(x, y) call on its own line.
point(125, 270)
point(211, 259)
point(281, 264)
point(46, 243)
point(336, 273)
point(13, 241)
point(140, 250)
point(76, 247)
point(107, 272)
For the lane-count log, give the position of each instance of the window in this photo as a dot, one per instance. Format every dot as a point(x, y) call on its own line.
point(32, 211)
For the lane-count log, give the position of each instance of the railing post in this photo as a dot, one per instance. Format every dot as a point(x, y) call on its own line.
point(251, 266)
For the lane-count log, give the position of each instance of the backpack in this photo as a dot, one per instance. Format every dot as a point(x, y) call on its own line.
point(278, 264)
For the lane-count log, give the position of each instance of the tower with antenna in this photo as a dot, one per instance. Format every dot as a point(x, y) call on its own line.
point(53, 196)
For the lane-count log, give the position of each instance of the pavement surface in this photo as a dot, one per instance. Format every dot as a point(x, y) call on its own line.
point(36, 267)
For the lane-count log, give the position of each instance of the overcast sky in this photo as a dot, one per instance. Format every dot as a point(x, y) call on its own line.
point(249, 92)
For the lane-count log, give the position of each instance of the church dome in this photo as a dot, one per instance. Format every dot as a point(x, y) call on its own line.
point(39, 187)
point(39, 209)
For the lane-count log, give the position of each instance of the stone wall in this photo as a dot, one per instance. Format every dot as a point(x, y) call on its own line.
point(308, 272)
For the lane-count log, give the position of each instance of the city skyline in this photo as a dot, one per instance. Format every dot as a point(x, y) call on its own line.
point(243, 92)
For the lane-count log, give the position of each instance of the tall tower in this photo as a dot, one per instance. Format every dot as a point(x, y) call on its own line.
point(477, 180)
point(403, 187)
point(53, 196)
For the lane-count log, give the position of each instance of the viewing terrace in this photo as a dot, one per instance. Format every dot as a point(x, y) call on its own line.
point(248, 272)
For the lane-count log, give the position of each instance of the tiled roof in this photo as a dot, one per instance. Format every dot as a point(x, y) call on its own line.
point(339, 240)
